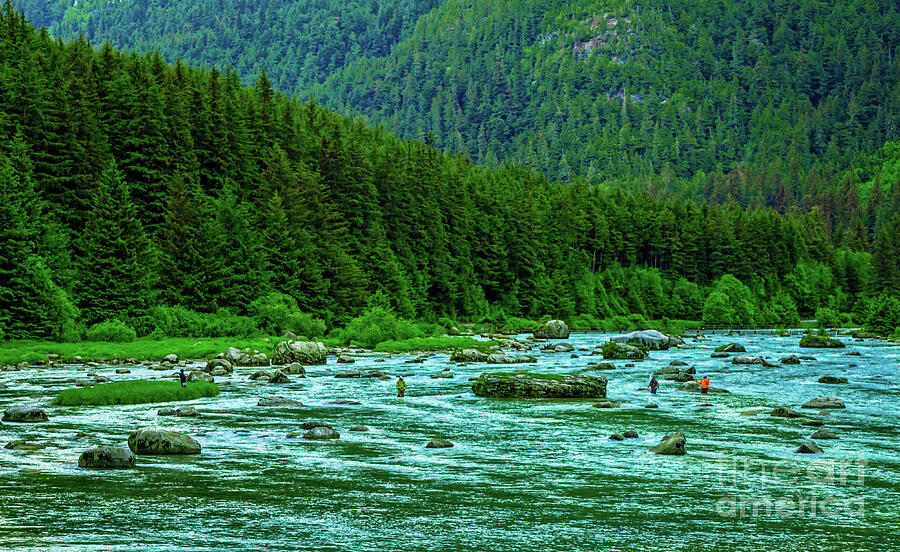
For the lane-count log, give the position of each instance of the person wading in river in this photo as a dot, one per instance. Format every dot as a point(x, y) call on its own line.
point(401, 386)
point(182, 377)
point(654, 385)
point(704, 385)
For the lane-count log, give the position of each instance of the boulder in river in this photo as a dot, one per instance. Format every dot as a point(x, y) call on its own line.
point(747, 359)
point(443, 374)
point(345, 402)
point(260, 375)
point(811, 422)
point(168, 411)
point(552, 329)
point(606, 404)
point(730, 348)
point(651, 405)
point(358, 428)
point(651, 339)
point(162, 441)
point(671, 444)
point(312, 424)
point(220, 365)
point(719, 355)
point(107, 457)
point(171, 358)
point(615, 350)
point(277, 400)
point(246, 357)
point(693, 386)
point(825, 402)
point(832, 380)
point(304, 352)
point(617, 437)
point(20, 444)
point(666, 370)
point(600, 366)
point(197, 375)
point(279, 377)
point(785, 412)
point(820, 341)
point(824, 434)
point(468, 355)
point(321, 433)
point(790, 359)
point(678, 363)
point(439, 443)
point(499, 358)
point(630, 434)
point(294, 369)
point(809, 447)
point(345, 359)
point(187, 412)
point(348, 374)
point(534, 385)
point(24, 414)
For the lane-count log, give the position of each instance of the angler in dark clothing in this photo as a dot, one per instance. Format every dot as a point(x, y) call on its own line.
point(654, 385)
point(182, 377)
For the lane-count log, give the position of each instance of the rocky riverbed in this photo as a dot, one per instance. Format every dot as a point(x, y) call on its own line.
point(521, 474)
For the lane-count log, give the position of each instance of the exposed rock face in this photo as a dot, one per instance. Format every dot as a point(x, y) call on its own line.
point(439, 443)
point(220, 365)
point(304, 352)
point(616, 350)
point(107, 457)
point(468, 355)
point(671, 444)
point(531, 385)
point(652, 339)
point(246, 358)
point(731, 348)
point(278, 400)
point(24, 414)
point(825, 402)
point(552, 329)
point(162, 441)
point(499, 358)
point(321, 433)
point(832, 380)
point(809, 447)
point(785, 412)
point(821, 341)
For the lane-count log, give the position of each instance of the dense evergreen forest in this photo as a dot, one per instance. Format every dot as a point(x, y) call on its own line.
point(768, 103)
point(145, 192)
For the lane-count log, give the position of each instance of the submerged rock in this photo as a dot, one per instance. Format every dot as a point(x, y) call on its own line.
point(439, 443)
point(651, 339)
point(304, 352)
point(278, 400)
point(606, 404)
point(811, 422)
point(651, 405)
point(359, 428)
point(832, 380)
point(825, 402)
point(552, 329)
point(20, 444)
point(107, 457)
point(719, 355)
point(617, 437)
point(534, 385)
point(348, 402)
point(24, 414)
point(671, 444)
point(785, 412)
point(600, 366)
point(809, 447)
point(162, 441)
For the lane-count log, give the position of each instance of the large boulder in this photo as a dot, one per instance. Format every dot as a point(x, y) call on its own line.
point(730, 348)
point(615, 350)
point(162, 441)
point(532, 385)
point(498, 358)
point(107, 457)
point(468, 355)
point(197, 375)
point(651, 339)
point(277, 400)
point(820, 341)
point(304, 352)
point(24, 414)
point(552, 329)
point(246, 357)
point(671, 444)
point(219, 365)
point(825, 402)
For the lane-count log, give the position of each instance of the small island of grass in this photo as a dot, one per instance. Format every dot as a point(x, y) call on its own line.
point(820, 340)
point(135, 392)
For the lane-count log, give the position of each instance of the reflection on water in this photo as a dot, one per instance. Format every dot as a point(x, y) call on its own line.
point(523, 475)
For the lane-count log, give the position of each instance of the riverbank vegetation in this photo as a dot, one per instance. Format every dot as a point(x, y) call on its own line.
point(135, 392)
point(173, 202)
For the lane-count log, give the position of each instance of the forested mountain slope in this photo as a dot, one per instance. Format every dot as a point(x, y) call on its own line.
point(128, 187)
point(782, 104)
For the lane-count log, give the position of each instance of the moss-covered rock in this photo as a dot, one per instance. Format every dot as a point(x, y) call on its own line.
point(24, 414)
point(162, 441)
point(822, 341)
point(107, 457)
point(730, 348)
point(533, 385)
point(671, 444)
point(304, 352)
point(615, 350)
point(552, 329)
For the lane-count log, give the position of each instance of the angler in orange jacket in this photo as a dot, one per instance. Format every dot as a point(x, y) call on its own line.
point(704, 385)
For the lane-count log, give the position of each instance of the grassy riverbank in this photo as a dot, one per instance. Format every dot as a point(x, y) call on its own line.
point(135, 392)
point(434, 344)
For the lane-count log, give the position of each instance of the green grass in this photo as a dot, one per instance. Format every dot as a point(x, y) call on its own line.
point(142, 349)
point(135, 392)
point(433, 344)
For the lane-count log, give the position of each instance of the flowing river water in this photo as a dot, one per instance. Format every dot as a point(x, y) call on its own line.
point(522, 474)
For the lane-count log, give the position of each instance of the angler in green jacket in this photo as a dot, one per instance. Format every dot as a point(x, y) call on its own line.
point(401, 386)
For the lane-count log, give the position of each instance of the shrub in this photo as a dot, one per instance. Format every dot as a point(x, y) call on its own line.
point(277, 312)
point(113, 330)
point(135, 392)
point(178, 321)
point(514, 323)
point(584, 322)
point(883, 314)
point(828, 317)
point(378, 324)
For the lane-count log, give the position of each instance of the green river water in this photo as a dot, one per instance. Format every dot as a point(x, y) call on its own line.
point(530, 475)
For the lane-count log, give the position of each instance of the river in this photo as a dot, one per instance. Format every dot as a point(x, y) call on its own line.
point(522, 474)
